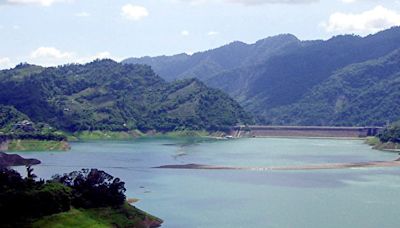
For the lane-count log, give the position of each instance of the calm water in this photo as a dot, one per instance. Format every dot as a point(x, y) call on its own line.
point(362, 198)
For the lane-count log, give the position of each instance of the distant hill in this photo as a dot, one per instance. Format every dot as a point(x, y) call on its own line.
point(270, 77)
point(106, 95)
point(205, 65)
point(366, 93)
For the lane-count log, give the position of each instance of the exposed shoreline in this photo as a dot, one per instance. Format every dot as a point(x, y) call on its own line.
point(372, 164)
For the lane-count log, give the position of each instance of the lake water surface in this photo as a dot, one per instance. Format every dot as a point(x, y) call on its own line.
point(364, 197)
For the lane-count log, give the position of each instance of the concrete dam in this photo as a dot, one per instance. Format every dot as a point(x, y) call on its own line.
point(303, 131)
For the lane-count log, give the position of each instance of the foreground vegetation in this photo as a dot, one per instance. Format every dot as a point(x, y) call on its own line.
point(78, 199)
point(123, 216)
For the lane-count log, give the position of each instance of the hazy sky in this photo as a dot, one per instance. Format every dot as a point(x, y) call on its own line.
point(50, 32)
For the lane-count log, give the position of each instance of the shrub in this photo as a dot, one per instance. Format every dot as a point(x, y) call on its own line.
point(390, 133)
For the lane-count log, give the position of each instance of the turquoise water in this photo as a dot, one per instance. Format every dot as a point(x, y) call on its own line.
point(366, 197)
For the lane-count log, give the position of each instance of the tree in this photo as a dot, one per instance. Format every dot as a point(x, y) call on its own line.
point(390, 133)
point(93, 188)
point(22, 199)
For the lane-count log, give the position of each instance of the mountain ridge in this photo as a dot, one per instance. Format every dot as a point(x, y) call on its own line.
point(287, 69)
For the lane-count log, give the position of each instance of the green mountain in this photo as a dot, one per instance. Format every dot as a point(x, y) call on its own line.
point(271, 84)
point(205, 65)
point(106, 95)
point(366, 93)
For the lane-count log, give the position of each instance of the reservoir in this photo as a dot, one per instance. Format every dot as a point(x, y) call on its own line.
point(185, 198)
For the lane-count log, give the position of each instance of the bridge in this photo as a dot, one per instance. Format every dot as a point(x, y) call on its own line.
point(303, 131)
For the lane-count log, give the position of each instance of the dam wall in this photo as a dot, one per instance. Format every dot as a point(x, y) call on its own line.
point(304, 131)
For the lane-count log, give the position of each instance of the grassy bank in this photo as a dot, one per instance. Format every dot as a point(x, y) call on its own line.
point(378, 145)
point(129, 135)
point(104, 135)
point(36, 145)
point(125, 216)
point(372, 141)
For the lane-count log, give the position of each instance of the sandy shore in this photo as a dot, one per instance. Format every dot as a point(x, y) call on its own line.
point(395, 163)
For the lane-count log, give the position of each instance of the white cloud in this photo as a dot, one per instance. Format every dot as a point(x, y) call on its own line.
point(185, 33)
point(31, 2)
point(5, 62)
point(51, 56)
point(50, 52)
point(367, 22)
point(99, 55)
point(134, 12)
point(212, 33)
point(83, 14)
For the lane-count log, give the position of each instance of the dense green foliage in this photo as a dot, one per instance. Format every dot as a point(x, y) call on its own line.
point(301, 82)
point(105, 95)
point(367, 93)
point(93, 188)
point(390, 133)
point(22, 200)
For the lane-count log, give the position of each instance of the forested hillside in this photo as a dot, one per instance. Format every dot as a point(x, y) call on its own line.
point(107, 95)
point(274, 85)
point(205, 65)
point(361, 94)
point(9, 116)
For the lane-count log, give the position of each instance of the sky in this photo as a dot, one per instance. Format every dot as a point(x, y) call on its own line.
point(54, 32)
